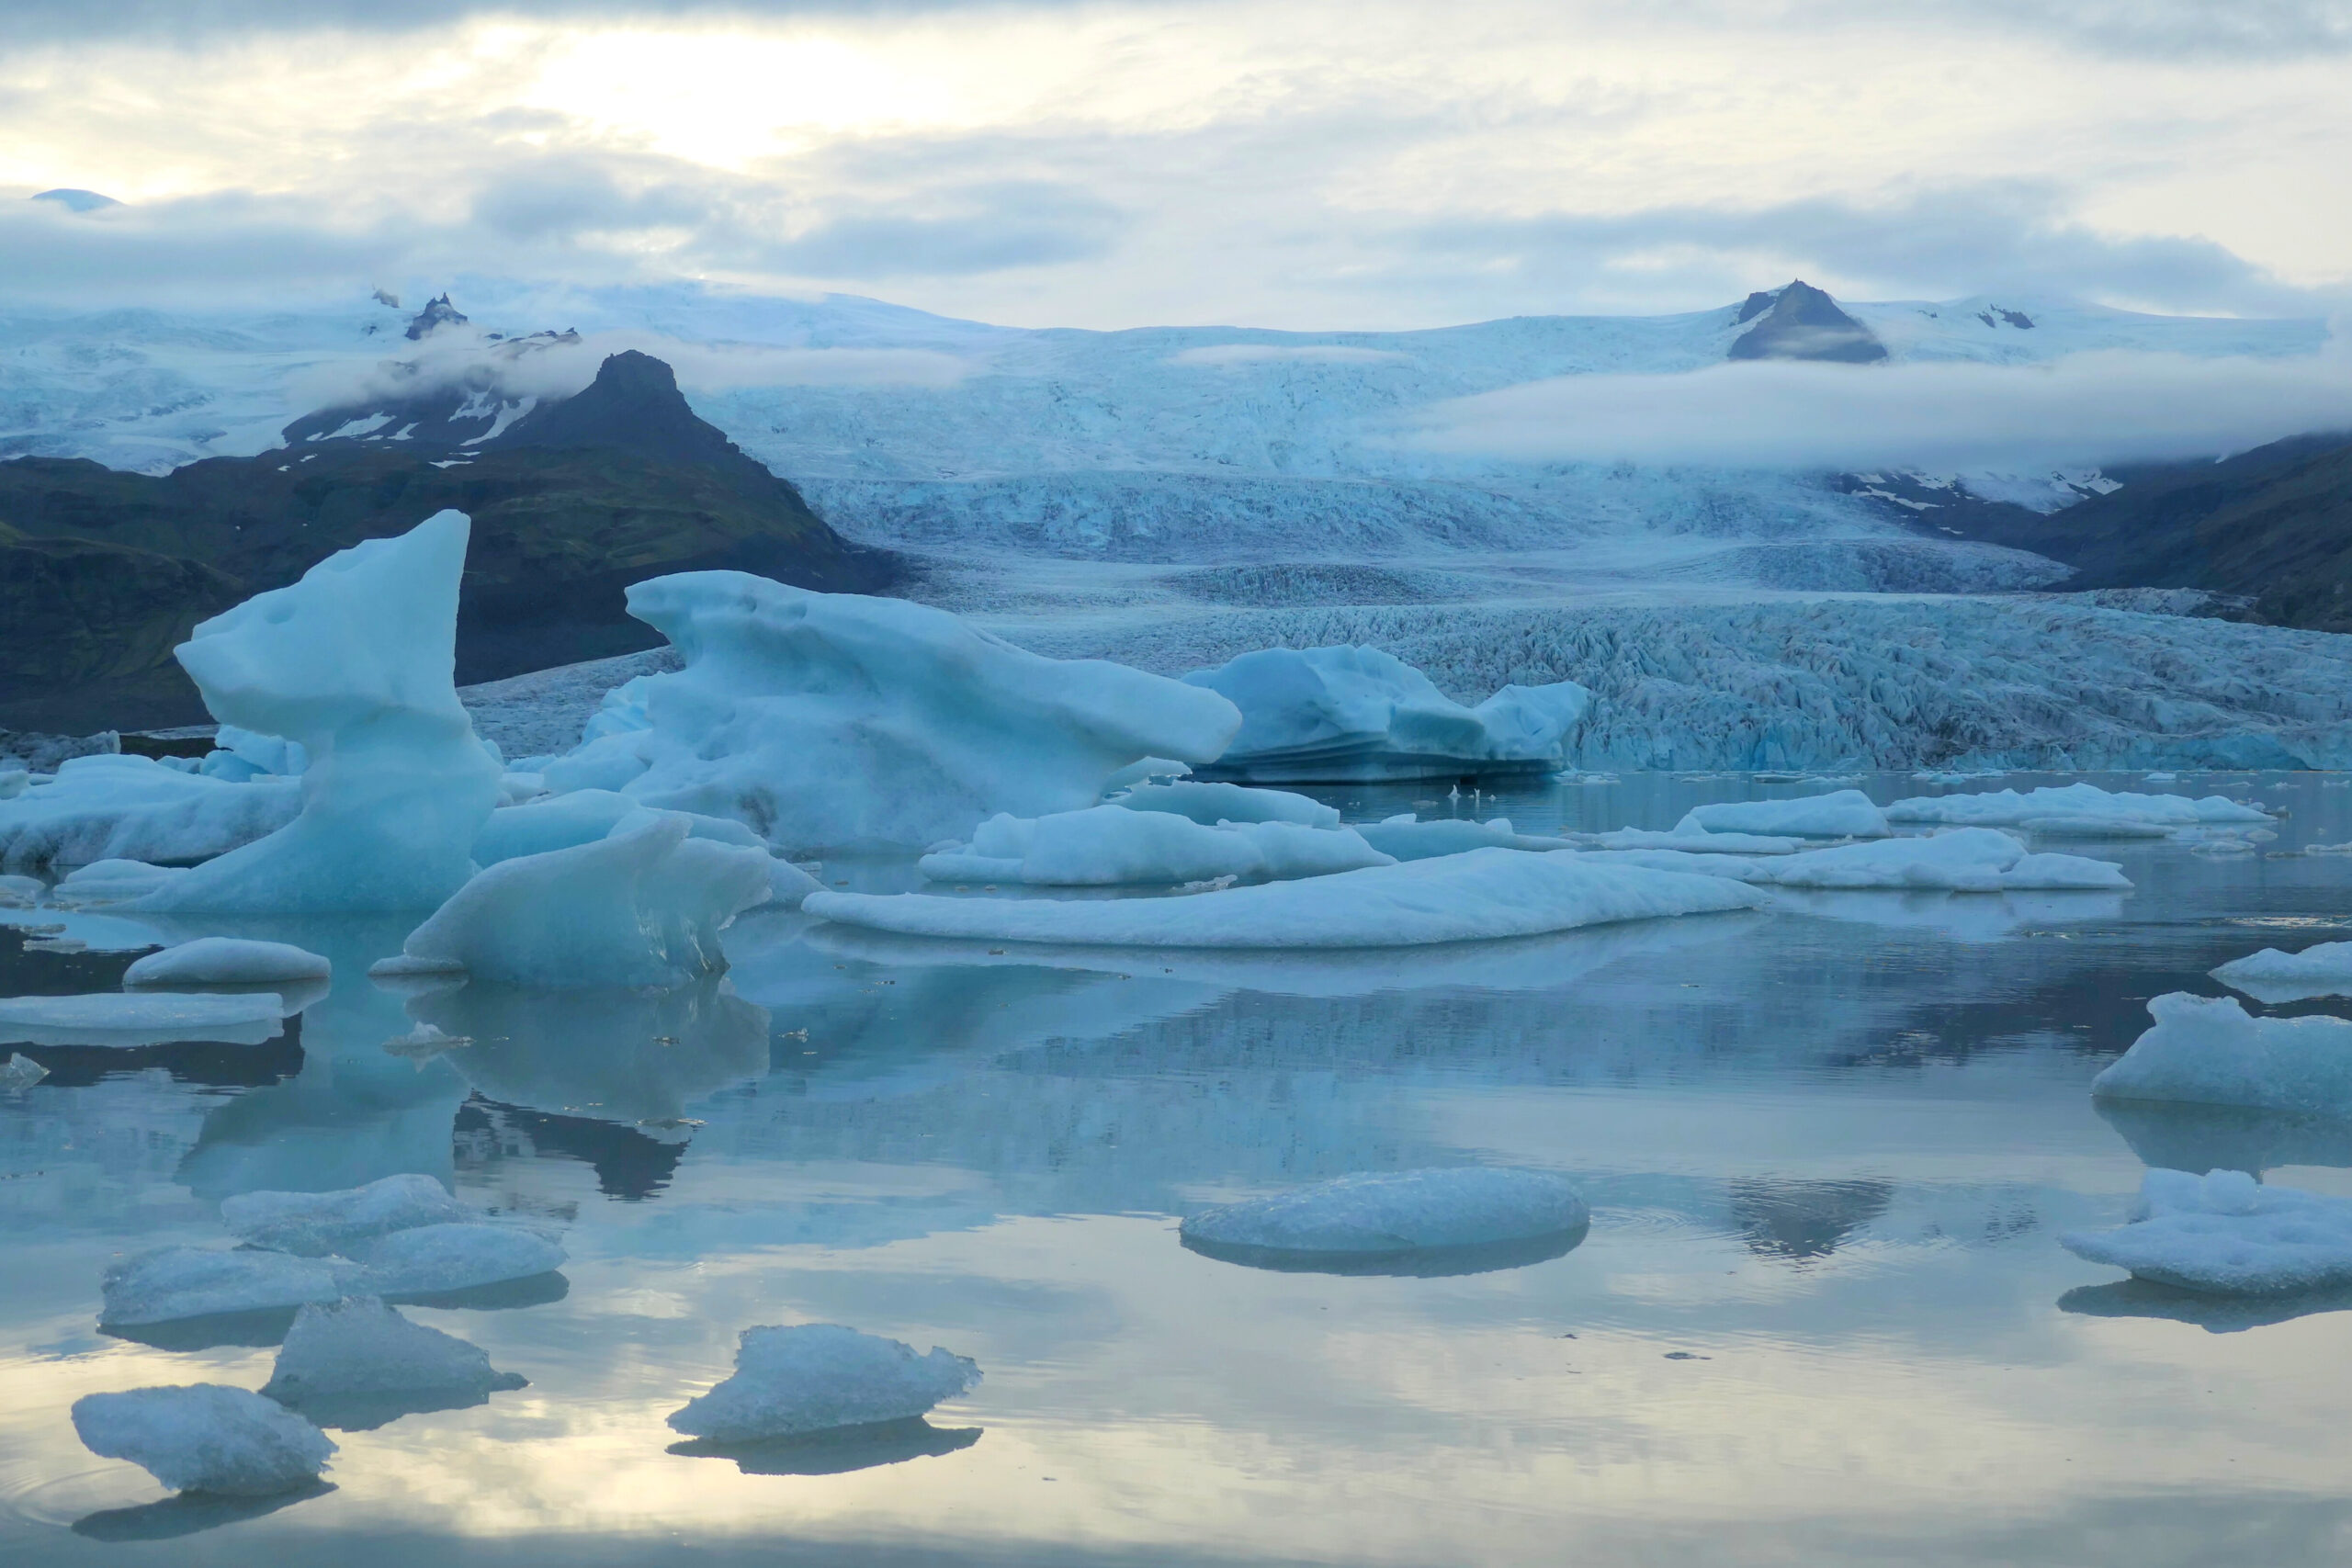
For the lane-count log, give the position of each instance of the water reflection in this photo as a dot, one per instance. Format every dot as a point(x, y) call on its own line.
point(2200, 1138)
point(838, 1452)
point(188, 1513)
point(1802, 1221)
point(2213, 1313)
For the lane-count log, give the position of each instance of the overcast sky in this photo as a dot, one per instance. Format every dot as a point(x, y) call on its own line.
point(1364, 163)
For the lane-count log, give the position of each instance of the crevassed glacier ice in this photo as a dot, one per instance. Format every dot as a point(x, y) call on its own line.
point(205, 1437)
point(227, 961)
point(1962, 859)
point(2073, 804)
point(1841, 814)
point(819, 1376)
point(642, 906)
point(1396, 1212)
point(1406, 837)
point(342, 1359)
point(353, 663)
point(126, 807)
point(2272, 976)
point(143, 1018)
point(832, 720)
point(2226, 1234)
point(171, 1282)
point(1107, 845)
point(2207, 1049)
point(1481, 895)
point(1359, 713)
point(313, 1223)
point(1210, 803)
point(421, 1260)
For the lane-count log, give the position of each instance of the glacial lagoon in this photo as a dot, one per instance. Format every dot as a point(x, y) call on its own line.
point(1820, 1313)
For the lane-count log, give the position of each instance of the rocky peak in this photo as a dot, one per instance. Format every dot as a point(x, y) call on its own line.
point(1800, 322)
point(437, 314)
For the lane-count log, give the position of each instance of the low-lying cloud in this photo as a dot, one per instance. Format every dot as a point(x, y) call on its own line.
point(2101, 408)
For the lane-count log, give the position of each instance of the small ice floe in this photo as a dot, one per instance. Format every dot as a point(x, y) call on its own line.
point(423, 1042)
point(818, 1377)
point(205, 1437)
point(1483, 895)
point(1210, 804)
point(227, 961)
point(1404, 838)
point(2009, 808)
point(141, 1018)
point(315, 1224)
point(2222, 844)
point(2226, 1234)
point(2159, 778)
point(20, 892)
point(2342, 849)
point(2207, 1049)
point(1963, 860)
point(2090, 825)
point(1696, 843)
point(1460, 1220)
point(356, 1363)
point(2271, 976)
point(1842, 814)
point(173, 1282)
point(436, 1259)
point(22, 1072)
point(1108, 845)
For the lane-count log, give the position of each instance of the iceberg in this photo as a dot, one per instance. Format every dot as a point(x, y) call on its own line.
point(2228, 1235)
point(2206, 1049)
point(1406, 837)
point(2273, 977)
point(1842, 814)
point(1210, 804)
point(1696, 843)
point(21, 1072)
point(1962, 859)
point(356, 1362)
point(2073, 804)
point(1384, 1215)
point(1357, 714)
point(173, 1282)
point(829, 721)
point(315, 1224)
point(564, 821)
point(641, 907)
point(124, 807)
point(143, 1018)
point(818, 1377)
point(1108, 845)
point(227, 961)
point(431, 1260)
point(1479, 896)
point(205, 1437)
point(353, 663)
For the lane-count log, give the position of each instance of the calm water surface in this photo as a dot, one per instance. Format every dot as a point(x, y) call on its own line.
point(1821, 1316)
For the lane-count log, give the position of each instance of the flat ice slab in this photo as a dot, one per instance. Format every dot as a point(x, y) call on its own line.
point(1407, 838)
point(1394, 1213)
point(820, 1376)
point(1962, 859)
point(1842, 814)
point(141, 1018)
point(1483, 895)
point(315, 1224)
point(227, 961)
point(172, 1282)
point(2074, 802)
point(2226, 1234)
point(359, 1352)
point(205, 1437)
point(2206, 1049)
point(2272, 976)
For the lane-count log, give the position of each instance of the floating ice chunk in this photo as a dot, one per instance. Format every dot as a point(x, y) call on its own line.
point(2271, 976)
point(1696, 843)
point(832, 721)
point(1481, 895)
point(1106, 845)
point(2090, 825)
point(432, 1259)
point(1210, 804)
point(313, 1223)
point(21, 1072)
point(820, 1376)
point(353, 663)
point(113, 882)
point(205, 1437)
point(1736, 868)
point(227, 961)
point(1357, 713)
point(2226, 1234)
point(583, 817)
point(126, 807)
point(20, 892)
point(2003, 808)
point(342, 1359)
point(1962, 859)
point(173, 1282)
point(2208, 1050)
point(1394, 1213)
point(643, 907)
point(1406, 838)
point(1842, 814)
point(141, 1018)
